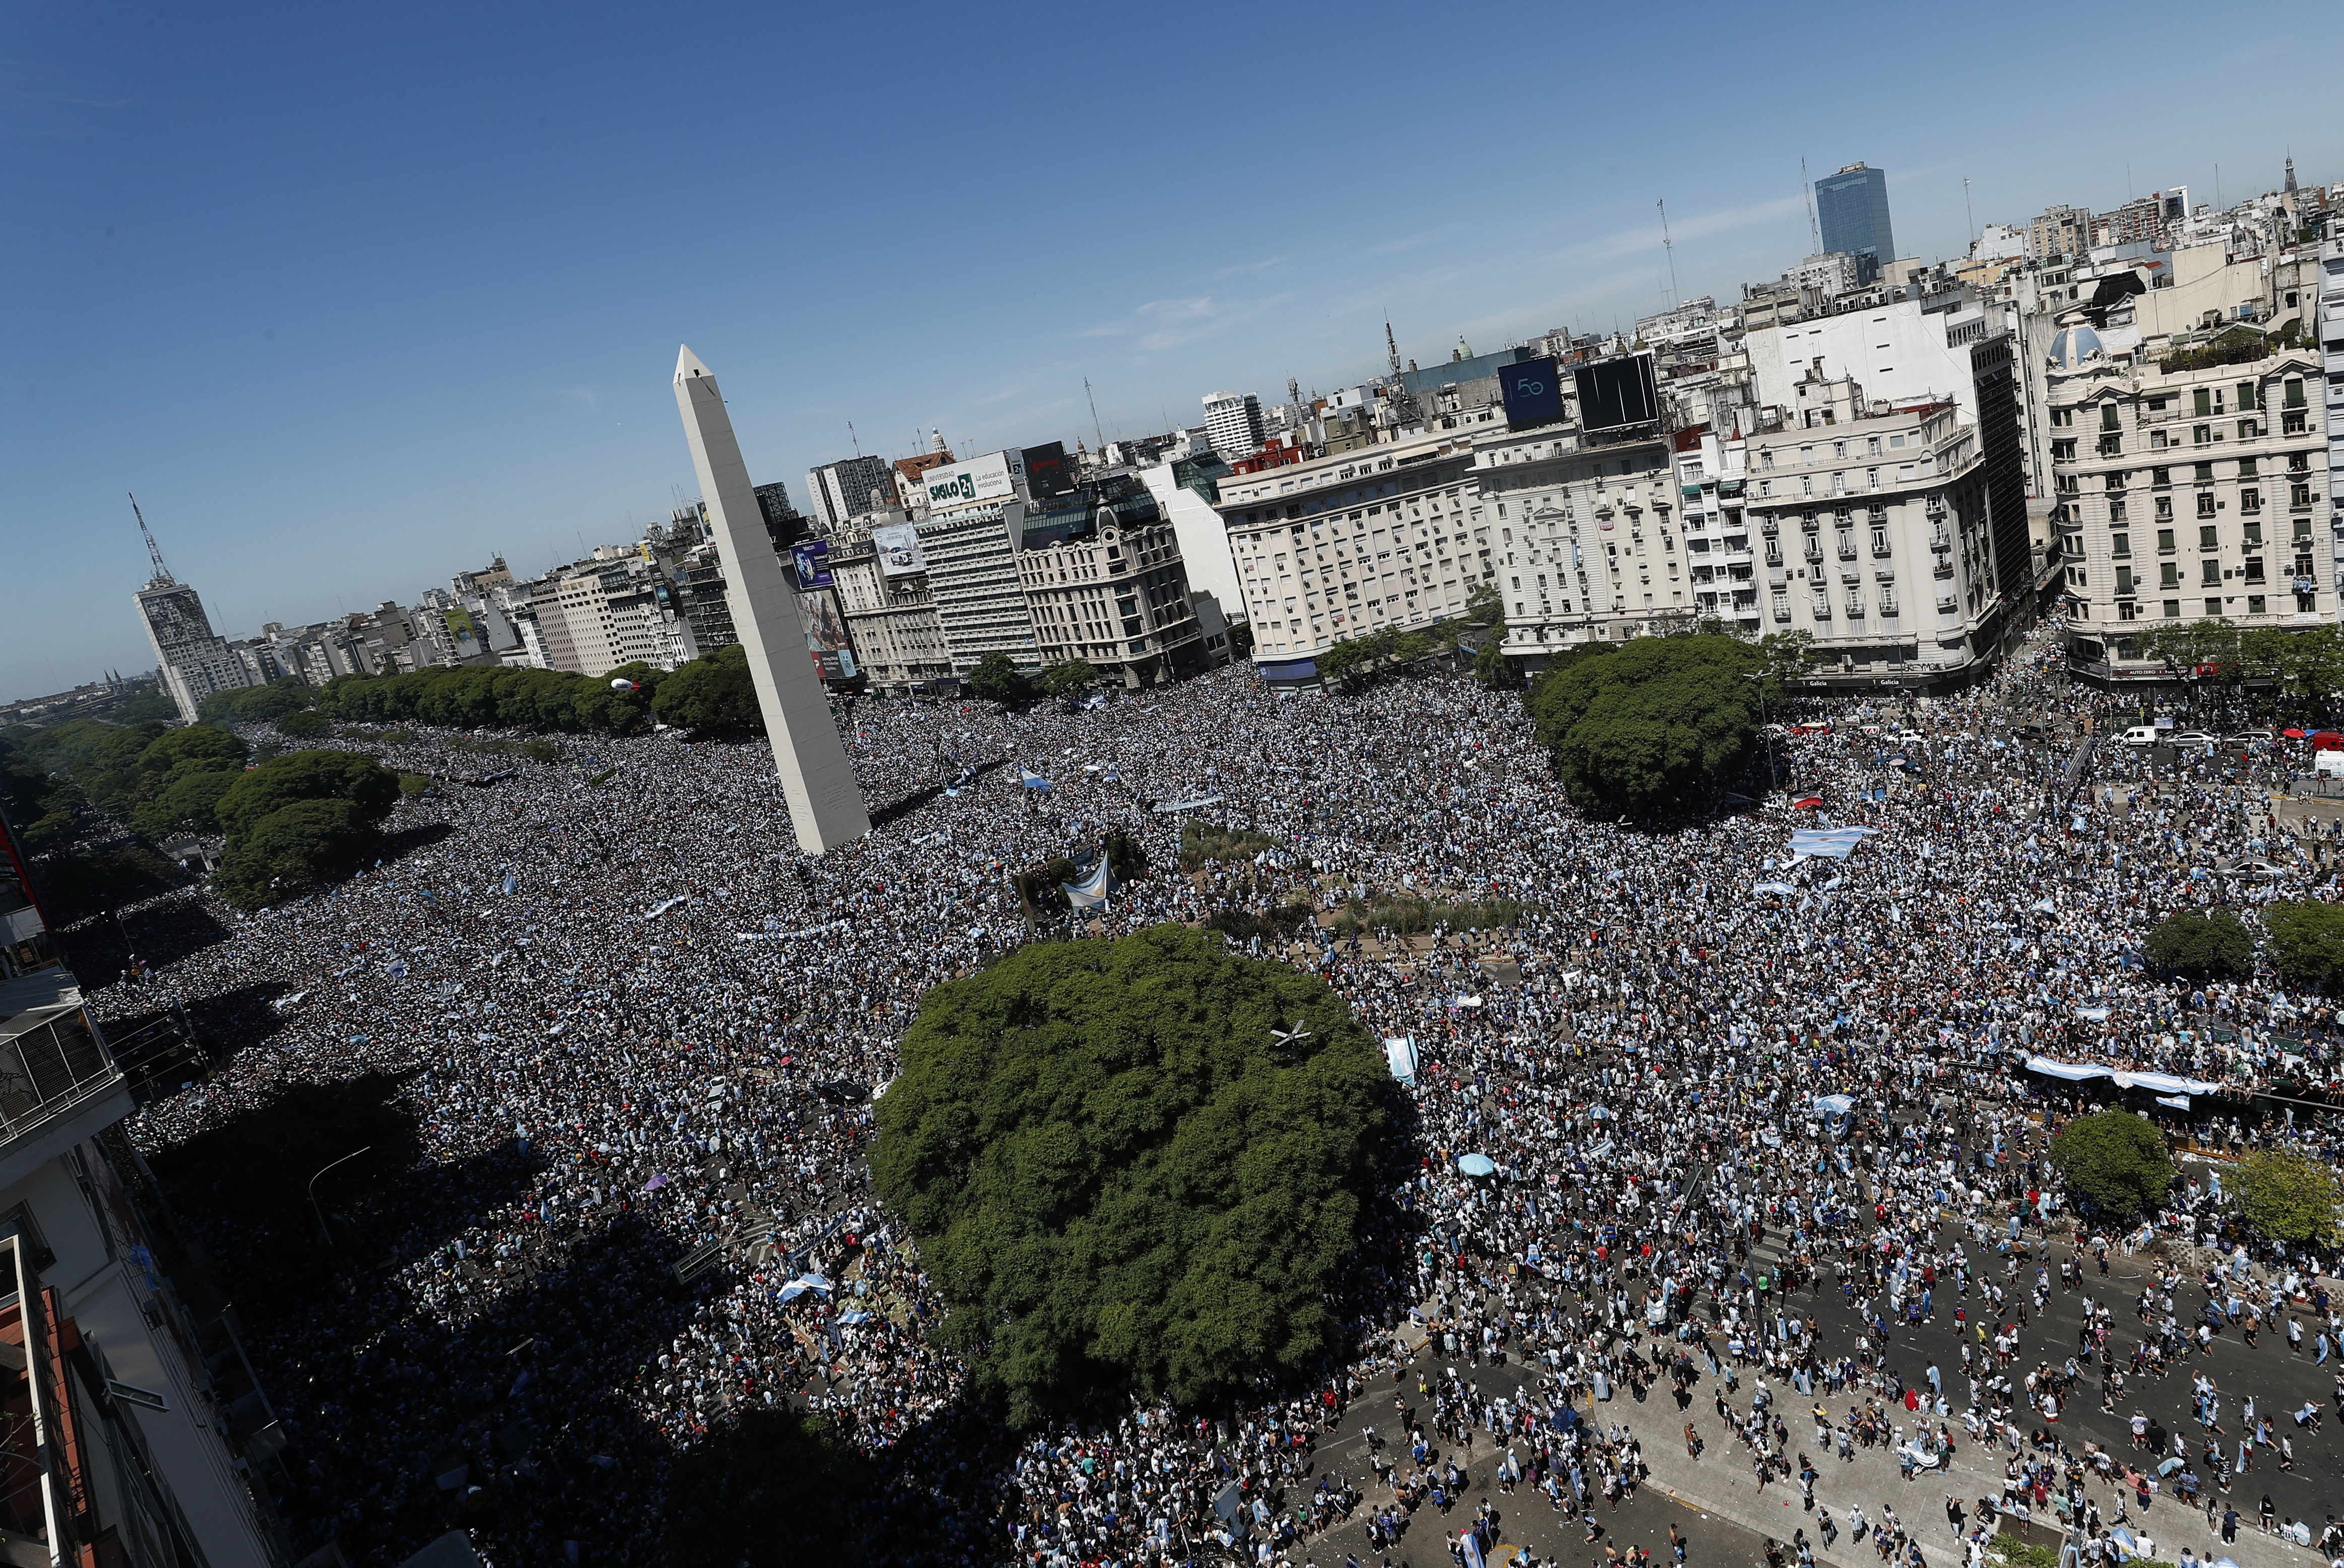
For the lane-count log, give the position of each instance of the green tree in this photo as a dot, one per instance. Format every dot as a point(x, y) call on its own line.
point(2308, 940)
point(1068, 677)
point(715, 695)
point(1242, 640)
point(998, 678)
point(189, 801)
point(2201, 946)
point(2289, 1198)
point(199, 744)
point(1788, 654)
point(370, 788)
point(304, 724)
point(1120, 1176)
point(291, 851)
point(1646, 728)
point(2115, 1158)
point(775, 1487)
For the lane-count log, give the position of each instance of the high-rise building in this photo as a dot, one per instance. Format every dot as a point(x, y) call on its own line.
point(1852, 207)
point(840, 490)
point(2060, 231)
point(1233, 424)
point(194, 662)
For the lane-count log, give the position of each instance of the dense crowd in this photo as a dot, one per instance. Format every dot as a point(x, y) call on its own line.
point(637, 1029)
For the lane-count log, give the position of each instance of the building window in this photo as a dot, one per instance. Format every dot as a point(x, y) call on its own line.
point(2172, 608)
point(2255, 604)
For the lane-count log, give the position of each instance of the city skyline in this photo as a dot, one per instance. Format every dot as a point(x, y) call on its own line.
point(391, 351)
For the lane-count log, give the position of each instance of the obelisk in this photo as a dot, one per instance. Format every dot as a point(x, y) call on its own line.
point(817, 780)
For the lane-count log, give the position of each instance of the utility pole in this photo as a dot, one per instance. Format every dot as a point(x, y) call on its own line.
point(1675, 298)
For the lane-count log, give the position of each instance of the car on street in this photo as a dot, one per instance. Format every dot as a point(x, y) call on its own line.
point(2196, 738)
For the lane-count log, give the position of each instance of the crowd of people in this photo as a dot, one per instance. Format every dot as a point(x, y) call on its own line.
point(640, 1037)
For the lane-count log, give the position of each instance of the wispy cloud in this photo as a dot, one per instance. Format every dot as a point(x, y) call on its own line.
point(1244, 270)
point(581, 396)
point(1162, 324)
point(1692, 226)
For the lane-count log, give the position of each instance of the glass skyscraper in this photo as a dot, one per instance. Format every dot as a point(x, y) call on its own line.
point(1852, 207)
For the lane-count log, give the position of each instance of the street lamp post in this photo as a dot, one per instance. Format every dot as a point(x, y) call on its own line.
point(313, 1188)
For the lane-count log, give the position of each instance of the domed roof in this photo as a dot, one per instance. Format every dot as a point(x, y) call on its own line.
point(2074, 346)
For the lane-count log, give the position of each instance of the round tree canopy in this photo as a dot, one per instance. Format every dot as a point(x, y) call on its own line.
point(1133, 1164)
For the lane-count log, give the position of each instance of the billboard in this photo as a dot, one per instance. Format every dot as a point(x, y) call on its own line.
point(825, 634)
point(996, 476)
point(810, 565)
point(1613, 392)
point(1048, 472)
point(898, 547)
point(1533, 394)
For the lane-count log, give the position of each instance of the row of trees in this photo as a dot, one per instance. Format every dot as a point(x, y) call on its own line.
point(1352, 664)
point(2304, 940)
point(2118, 1163)
point(997, 678)
point(713, 693)
point(2306, 663)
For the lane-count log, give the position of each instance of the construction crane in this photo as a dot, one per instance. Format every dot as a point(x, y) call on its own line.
point(154, 550)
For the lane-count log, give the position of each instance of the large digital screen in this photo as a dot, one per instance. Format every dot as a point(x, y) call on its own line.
point(1048, 472)
point(826, 637)
point(1533, 393)
point(810, 563)
point(1613, 392)
point(898, 547)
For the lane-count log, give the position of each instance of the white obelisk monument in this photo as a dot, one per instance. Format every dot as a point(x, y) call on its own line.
point(817, 780)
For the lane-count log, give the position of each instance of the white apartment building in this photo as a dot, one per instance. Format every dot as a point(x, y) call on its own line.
point(1334, 549)
point(2192, 484)
point(1585, 542)
point(1233, 424)
point(1873, 534)
point(2330, 334)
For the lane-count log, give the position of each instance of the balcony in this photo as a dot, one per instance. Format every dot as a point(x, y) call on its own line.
point(1944, 567)
point(58, 1084)
point(1947, 604)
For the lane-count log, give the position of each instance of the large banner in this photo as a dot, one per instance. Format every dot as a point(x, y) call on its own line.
point(898, 546)
point(825, 634)
point(810, 564)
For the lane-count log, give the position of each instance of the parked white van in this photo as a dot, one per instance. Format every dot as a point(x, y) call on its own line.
point(2141, 735)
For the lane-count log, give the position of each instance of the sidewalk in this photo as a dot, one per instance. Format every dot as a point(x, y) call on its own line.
point(1719, 1482)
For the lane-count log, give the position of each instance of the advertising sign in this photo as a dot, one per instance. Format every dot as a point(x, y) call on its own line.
point(1048, 472)
point(1613, 392)
point(994, 477)
point(810, 564)
point(898, 547)
point(825, 634)
point(1533, 393)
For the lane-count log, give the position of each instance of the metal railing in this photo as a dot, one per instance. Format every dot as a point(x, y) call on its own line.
point(47, 1066)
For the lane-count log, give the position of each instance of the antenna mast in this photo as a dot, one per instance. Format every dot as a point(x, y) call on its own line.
point(1392, 346)
point(154, 550)
point(1807, 189)
point(1675, 298)
point(1094, 419)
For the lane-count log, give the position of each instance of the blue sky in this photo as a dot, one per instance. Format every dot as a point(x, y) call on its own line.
point(356, 297)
